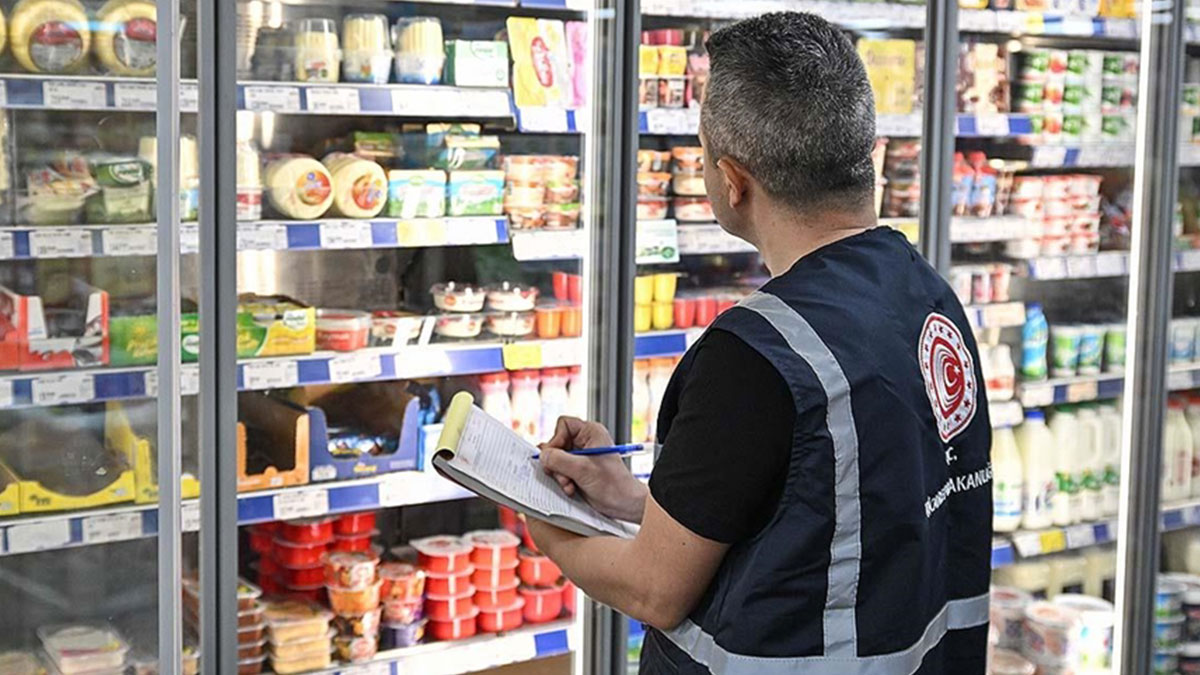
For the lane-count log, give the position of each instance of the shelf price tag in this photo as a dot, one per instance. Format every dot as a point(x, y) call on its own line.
point(268, 374)
point(48, 534)
point(354, 367)
point(1053, 541)
point(992, 124)
point(6, 394)
point(544, 120)
point(112, 527)
point(1082, 391)
point(977, 20)
point(1189, 261)
point(1003, 314)
point(1037, 395)
point(421, 232)
point(1049, 156)
point(1049, 268)
point(1111, 264)
point(380, 668)
point(261, 237)
point(189, 380)
point(338, 100)
point(189, 516)
point(1179, 379)
point(1080, 536)
point(1034, 23)
point(189, 96)
point(1075, 24)
point(562, 352)
point(522, 355)
point(1081, 267)
point(189, 238)
point(64, 388)
point(272, 99)
point(59, 242)
point(75, 95)
point(471, 231)
point(300, 504)
point(129, 240)
point(7, 248)
point(135, 96)
point(346, 234)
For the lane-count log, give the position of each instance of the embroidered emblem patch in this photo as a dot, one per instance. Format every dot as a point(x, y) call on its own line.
point(949, 375)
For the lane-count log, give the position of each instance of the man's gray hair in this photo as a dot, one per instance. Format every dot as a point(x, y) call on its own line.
point(789, 99)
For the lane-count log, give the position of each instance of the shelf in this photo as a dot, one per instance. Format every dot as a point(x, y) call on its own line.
point(993, 125)
point(1105, 264)
point(966, 230)
point(1099, 156)
point(855, 15)
point(686, 122)
point(1056, 391)
point(709, 239)
point(1007, 549)
point(57, 530)
point(64, 92)
point(408, 100)
point(21, 390)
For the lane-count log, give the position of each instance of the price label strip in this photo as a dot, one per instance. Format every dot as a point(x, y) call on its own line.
point(189, 96)
point(113, 527)
point(65, 388)
point(62, 242)
point(355, 367)
point(268, 374)
point(129, 240)
point(74, 95)
point(135, 96)
point(190, 517)
point(333, 100)
point(272, 99)
point(261, 237)
point(1082, 391)
point(522, 356)
point(7, 247)
point(1080, 536)
point(300, 504)
point(6, 394)
point(346, 234)
point(41, 536)
point(1081, 267)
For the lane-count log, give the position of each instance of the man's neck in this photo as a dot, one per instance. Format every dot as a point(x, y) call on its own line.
point(785, 237)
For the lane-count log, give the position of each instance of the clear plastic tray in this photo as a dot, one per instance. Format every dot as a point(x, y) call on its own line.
point(84, 648)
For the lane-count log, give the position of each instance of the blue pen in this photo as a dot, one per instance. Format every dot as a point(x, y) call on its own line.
point(622, 450)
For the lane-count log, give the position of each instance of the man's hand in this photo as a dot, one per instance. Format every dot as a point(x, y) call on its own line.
point(604, 481)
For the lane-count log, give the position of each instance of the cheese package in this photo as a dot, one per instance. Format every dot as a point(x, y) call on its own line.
point(476, 63)
point(125, 37)
point(50, 36)
point(539, 55)
point(577, 70)
point(416, 194)
point(124, 192)
point(299, 187)
point(476, 193)
point(892, 70)
point(3, 31)
point(366, 49)
point(420, 53)
point(360, 188)
point(317, 56)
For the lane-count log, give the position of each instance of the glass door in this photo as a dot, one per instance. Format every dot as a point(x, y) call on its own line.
point(416, 195)
point(98, 459)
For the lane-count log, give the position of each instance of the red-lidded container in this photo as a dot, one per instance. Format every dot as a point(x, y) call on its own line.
point(443, 554)
point(495, 577)
point(453, 629)
point(489, 600)
point(351, 569)
point(289, 554)
point(503, 618)
point(446, 607)
point(538, 570)
point(353, 542)
point(307, 530)
point(261, 540)
point(267, 567)
point(354, 523)
point(542, 604)
point(401, 581)
point(493, 548)
point(449, 584)
point(301, 577)
point(342, 330)
point(269, 584)
point(568, 594)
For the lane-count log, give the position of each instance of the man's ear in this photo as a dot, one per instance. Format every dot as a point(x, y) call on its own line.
point(735, 180)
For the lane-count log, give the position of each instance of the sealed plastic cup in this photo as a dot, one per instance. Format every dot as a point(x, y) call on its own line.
point(664, 287)
point(642, 318)
point(1064, 350)
point(663, 315)
point(685, 312)
point(706, 310)
point(1091, 349)
point(643, 289)
point(1183, 341)
point(1114, 348)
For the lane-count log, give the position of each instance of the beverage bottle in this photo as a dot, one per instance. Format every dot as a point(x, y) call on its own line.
point(555, 399)
point(1002, 375)
point(1035, 335)
point(1110, 488)
point(641, 401)
point(1090, 462)
point(1037, 462)
point(1193, 417)
point(527, 405)
point(1008, 481)
point(1177, 453)
point(495, 396)
point(576, 395)
point(1065, 506)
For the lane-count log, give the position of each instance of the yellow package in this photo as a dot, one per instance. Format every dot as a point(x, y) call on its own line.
point(672, 60)
point(539, 55)
point(647, 60)
point(892, 70)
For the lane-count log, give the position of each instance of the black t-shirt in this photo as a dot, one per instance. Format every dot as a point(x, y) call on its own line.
point(726, 451)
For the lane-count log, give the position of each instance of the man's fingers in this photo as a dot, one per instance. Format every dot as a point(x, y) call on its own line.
point(565, 431)
point(565, 464)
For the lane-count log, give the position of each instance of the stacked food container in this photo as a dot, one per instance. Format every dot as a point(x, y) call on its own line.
point(353, 584)
point(300, 636)
point(450, 596)
point(494, 556)
point(403, 595)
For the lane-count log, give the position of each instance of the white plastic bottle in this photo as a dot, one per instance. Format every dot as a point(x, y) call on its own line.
point(576, 394)
point(555, 399)
point(495, 396)
point(660, 375)
point(641, 401)
point(1177, 453)
point(1065, 507)
point(1193, 417)
point(1002, 374)
point(527, 405)
point(1110, 497)
point(1090, 460)
point(1037, 460)
point(1008, 481)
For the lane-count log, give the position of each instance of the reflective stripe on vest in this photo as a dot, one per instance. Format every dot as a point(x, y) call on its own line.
point(955, 615)
point(845, 550)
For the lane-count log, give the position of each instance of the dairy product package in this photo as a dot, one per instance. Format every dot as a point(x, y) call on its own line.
point(125, 37)
point(539, 55)
point(416, 194)
point(299, 187)
point(477, 63)
point(475, 193)
point(50, 36)
point(366, 49)
point(360, 187)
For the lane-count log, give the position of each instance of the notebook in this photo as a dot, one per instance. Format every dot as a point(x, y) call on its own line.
point(487, 457)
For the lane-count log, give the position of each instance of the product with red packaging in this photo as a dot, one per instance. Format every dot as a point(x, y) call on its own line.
point(507, 617)
point(443, 554)
point(290, 554)
point(493, 548)
point(542, 604)
point(446, 607)
point(538, 570)
point(494, 577)
point(307, 531)
point(354, 600)
point(490, 599)
point(354, 523)
point(454, 629)
point(353, 542)
point(403, 611)
point(342, 330)
point(365, 624)
point(449, 584)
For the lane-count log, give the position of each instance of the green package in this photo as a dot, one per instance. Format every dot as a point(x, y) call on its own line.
point(133, 340)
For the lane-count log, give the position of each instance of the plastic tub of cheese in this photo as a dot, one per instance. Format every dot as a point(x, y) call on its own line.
point(394, 329)
point(454, 629)
point(307, 531)
point(459, 326)
point(542, 604)
point(291, 554)
point(693, 210)
point(538, 570)
point(495, 577)
point(83, 648)
point(356, 648)
point(366, 623)
point(292, 620)
point(353, 543)
point(342, 330)
point(354, 600)
point(351, 569)
point(493, 548)
point(354, 523)
point(508, 617)
point(444, 608)
point(511, 324)
point(457, 297)
point(490, 599)
point(507, 296)
point(296, 577)
point(652, 208)
point(442, 554)
point(688, 184)
point(450, 583)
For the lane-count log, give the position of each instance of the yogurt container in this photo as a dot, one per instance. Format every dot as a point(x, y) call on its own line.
point(450, 583)
point(454, 629)
point(1096, 633)
point(457, 297)
point(445, 608)
point(1166, 662)
point(1007, 614)
point(399, 635)
point(1168, 632)
point(1091, 349)
point(493, 548)
point(1007, 662)
point(401, 581)
point(351, 569)
point(342, 330)
point(1168, 599)
point(459, 326)
point(511, 297)
point(1050, 636)
point(1064, 350)
point(508, 617)
point(1189, 659)
point(490, 599)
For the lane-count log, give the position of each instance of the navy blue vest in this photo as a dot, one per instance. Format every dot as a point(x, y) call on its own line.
point(877, 559)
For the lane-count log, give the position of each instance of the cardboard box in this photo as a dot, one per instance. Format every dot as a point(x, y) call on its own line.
point(325, 465)
point(273, 439)
point(28, 341)
point(476, 63)
point(133, 340)
point(286, 331)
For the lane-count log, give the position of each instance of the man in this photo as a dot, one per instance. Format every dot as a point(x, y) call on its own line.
point(822, 502)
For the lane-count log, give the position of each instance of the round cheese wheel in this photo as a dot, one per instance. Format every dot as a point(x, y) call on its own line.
point(49, 36)
point(3, 31)
point(360, 186)
point(125, 37)
point(299, 187)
